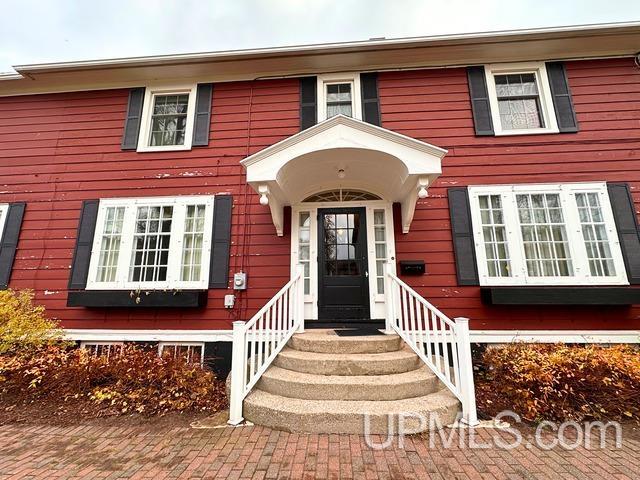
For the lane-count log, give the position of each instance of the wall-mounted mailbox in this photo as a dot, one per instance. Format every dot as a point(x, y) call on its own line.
point(412, 267)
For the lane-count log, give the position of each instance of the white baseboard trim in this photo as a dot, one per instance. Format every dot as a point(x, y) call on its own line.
point(554, 336)
point(477, 336)
point(86, 334)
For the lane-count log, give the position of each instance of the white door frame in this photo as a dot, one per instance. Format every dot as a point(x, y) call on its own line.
point(376, 300)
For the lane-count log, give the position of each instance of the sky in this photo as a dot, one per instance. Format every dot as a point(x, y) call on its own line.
point(37, 31)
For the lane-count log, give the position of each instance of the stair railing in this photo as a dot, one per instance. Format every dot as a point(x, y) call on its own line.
point(257, 342)
point(441, 343)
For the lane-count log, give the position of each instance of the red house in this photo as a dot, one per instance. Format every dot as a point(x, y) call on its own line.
point(398, 184)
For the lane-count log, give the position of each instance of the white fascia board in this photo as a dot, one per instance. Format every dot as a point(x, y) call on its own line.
point(555, 336)
point(86, 334)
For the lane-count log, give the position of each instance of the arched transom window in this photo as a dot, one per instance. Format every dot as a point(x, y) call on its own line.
point(341, 195)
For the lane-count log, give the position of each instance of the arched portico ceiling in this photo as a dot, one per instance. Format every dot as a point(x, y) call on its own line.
point(343, 152)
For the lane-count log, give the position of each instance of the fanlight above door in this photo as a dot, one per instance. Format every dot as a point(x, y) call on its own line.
point(341, 195)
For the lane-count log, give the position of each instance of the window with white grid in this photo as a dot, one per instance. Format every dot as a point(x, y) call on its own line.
point(380, 236)
point(153, 243)
point(338, 94)
point(103, 349)
point(546, 234)
point(494, 235)
point(304, 244)
point(188, 352)
point(596, 239)
point(520, 98)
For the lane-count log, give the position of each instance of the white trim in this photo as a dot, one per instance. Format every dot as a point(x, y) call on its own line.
point(555, 336)
point(352, 79)
point(575, 239)
point(86, 344)
point(175, 246)
point(539, 69)
point(113, 335)
point(161, 346)
point(4, 208)
point(147, 109)
point(376, 301)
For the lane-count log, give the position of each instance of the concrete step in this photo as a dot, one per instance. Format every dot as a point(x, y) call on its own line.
point(327, 341)
point(403, 360)
point(288, 383)
point(345, 416)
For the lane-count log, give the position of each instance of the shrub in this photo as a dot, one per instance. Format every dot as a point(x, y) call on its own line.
point(560, 382)
point(23, 324)
point(138, 380)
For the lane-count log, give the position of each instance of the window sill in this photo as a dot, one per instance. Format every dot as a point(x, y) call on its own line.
point(171, 148)
point(537, 131)
point(148, 299)
point(576, 295)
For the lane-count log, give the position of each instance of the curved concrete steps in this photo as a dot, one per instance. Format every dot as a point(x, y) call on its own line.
point(288, 383)
point(344, 416)
point(325, 383)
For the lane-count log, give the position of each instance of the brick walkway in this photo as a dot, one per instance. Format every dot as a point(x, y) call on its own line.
point(256, 452)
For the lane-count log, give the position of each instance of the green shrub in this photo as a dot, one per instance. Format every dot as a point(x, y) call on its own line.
point(560, 382)
point(137, 380)
point(23, 324)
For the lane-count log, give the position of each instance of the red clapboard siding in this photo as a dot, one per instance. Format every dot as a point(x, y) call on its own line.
point(57, 150)
point(434, 106)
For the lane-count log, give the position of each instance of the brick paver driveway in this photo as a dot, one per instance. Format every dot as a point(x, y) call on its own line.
point(256, 452)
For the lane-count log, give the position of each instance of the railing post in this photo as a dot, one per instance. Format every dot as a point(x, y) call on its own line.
point(238, 373)
point(389, 304)
point(300, 297)
point(465, 363)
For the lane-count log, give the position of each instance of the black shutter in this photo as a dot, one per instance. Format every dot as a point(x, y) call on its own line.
point(308, 102)
point(370, 100)
point(133, 119)
point(624, 213)
point(562, 102)
point(9, 241)
point(462, 233)
point(202, 122)
point(84, 242)
point(480, 101)
point(220, 242)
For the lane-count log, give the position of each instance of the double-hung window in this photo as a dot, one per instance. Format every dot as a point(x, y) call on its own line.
point(4, 208)
point(546, 234)
point(339, 95)
point(167, 119)
point(152, 243)
point(520, 99)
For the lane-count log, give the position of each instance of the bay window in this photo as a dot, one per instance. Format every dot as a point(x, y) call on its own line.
point(152, 243)
point(545, 234)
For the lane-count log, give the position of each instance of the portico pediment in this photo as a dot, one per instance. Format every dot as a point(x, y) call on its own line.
point(343, 152)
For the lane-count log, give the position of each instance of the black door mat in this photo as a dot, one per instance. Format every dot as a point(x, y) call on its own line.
point(357, 332)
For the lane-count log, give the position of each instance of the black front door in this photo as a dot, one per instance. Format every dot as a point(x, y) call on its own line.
point(343, 283)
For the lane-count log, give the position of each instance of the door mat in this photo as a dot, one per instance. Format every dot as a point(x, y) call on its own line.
point(357, 332)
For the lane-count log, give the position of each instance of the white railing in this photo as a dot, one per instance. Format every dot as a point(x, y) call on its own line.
point(257, 342)
point(443, 344)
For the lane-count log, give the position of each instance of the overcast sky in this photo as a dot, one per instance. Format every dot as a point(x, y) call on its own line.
point(35, 31)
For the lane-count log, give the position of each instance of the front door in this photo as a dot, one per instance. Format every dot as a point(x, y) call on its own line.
point(343, 283)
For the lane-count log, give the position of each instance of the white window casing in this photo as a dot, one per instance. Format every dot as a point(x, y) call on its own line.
point(151, 92)
point(103, 348)
point(352, 79)
point(117, 255)
point(571, 226)
point(538, 69)
point(4, 208)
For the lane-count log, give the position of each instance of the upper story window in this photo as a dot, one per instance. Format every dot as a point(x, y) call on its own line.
point(167, 119)
point(520, 99)
point(4, 208)
point(546, 234)
point(339, 94)
point(153, 243)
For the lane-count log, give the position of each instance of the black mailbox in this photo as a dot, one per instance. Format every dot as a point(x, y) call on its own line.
point(412, 267)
